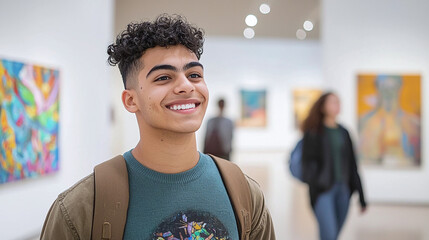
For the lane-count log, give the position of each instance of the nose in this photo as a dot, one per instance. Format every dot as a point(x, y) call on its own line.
point(183, 85)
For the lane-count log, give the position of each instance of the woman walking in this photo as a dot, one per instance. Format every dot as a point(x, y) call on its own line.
point(329, 166)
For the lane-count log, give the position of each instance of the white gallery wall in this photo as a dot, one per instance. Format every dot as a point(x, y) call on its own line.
point(383, 36)
point(71, 36)
point(277, 66)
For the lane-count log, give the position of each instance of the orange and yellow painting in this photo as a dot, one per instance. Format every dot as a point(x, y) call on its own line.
point(303, 100)
point(389, 112)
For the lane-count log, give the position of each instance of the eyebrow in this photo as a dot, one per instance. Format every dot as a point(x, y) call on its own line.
point(173, 68)
point(191, 65)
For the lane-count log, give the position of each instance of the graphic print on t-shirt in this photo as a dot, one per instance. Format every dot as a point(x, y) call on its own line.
point(191, 225)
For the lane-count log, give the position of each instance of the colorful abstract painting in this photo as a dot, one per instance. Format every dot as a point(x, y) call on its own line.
point(303, 100)
point(253, 108)
point(389, 112)
point(29, 106)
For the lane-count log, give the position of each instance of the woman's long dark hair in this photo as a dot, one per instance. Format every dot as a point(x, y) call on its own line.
point(314, 120)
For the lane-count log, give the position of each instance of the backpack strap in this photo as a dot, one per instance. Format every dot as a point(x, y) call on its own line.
point(111, 199)
point(239, 193)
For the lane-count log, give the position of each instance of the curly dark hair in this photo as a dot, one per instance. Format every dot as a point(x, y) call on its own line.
point(166, 30)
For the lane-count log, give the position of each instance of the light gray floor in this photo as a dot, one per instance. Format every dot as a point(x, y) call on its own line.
point(289, 206)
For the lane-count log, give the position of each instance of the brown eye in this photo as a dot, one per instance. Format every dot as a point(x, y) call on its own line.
point(195, 75)
point(162, 78)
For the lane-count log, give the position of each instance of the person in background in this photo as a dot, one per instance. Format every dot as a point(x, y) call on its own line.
point(329, 166)
point(218, 140)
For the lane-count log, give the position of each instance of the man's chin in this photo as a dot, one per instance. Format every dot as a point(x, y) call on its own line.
point(184, 128)
point(188, 130)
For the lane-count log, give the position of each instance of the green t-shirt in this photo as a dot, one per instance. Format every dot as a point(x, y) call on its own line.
point(190, 205)
point(336, 142)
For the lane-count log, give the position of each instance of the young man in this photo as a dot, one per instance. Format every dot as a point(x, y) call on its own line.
point(219, 133)
point(175, 192)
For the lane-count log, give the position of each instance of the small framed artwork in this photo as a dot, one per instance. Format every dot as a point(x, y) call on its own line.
point(253, 108)
point(303, 100)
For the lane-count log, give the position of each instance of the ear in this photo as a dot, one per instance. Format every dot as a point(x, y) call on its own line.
point(129, 100)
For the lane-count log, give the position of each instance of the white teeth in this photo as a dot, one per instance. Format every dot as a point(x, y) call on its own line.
point(183, 106)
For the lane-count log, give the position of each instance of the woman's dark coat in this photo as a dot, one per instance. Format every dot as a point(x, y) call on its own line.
point(318, 168)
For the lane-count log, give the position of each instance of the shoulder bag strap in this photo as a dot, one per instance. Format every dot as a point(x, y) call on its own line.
point(111, 199)
point(239, 193)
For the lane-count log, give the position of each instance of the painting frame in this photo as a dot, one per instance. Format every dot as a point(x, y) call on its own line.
point(253, 108)
point(29, 120)
point(389, 120)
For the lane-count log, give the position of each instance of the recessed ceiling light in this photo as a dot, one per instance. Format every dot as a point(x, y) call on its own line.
point(251, 20)
point(264, 8)
point(308, 26)
point(301, 34)
point(249, 33)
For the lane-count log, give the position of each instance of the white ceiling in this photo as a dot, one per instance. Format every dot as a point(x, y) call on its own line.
point(226, 17)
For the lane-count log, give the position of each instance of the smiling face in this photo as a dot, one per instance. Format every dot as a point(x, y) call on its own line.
point(169, 92)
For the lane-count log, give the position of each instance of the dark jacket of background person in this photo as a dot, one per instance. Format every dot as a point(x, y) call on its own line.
point(317, 165)
point(218, 139)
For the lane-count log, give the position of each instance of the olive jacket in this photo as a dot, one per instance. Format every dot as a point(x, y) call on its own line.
point(71, 215)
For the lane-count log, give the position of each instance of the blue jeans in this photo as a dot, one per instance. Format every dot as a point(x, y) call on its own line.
point(331, 210)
